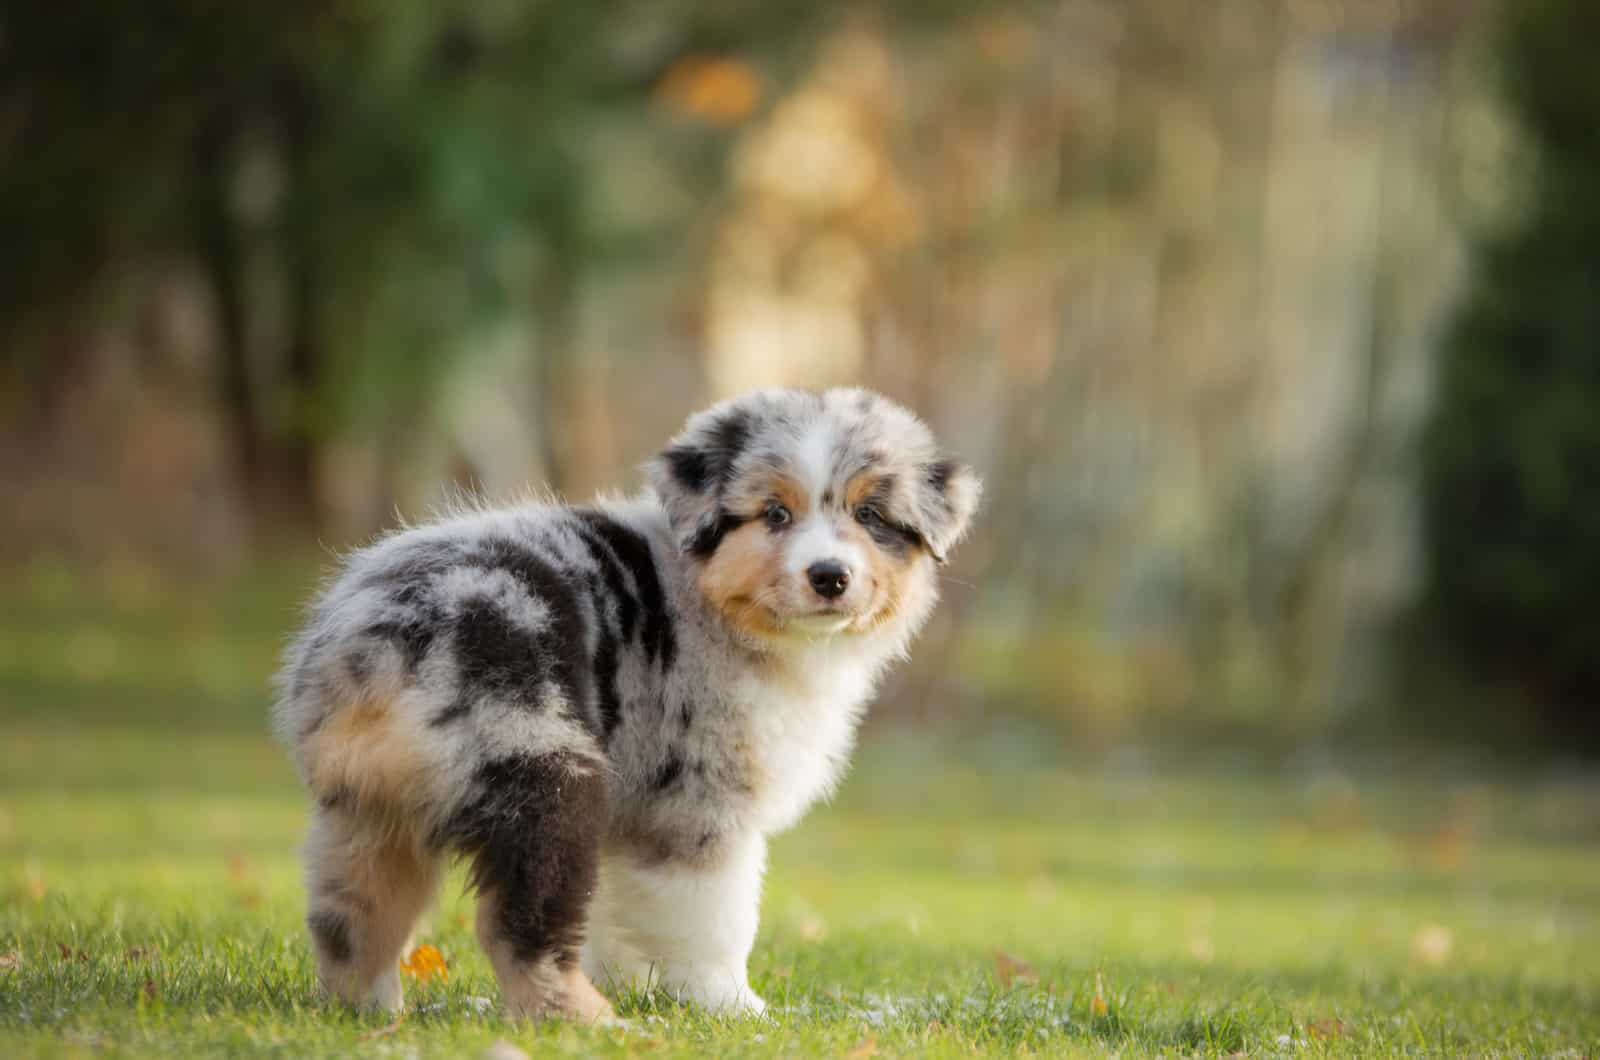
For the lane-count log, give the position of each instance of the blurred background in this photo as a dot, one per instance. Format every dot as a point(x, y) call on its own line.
point(1271, 325)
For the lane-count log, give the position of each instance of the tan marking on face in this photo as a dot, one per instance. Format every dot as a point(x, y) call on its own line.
point(859, 488)
point(738, 579)
point(897, 582)
point(787, 492)
point(364, 752)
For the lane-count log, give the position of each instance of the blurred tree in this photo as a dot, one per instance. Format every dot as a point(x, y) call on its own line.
point(1512, 454)
point(367, 185)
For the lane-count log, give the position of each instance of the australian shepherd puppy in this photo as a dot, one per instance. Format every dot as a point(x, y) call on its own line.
point(608, 709)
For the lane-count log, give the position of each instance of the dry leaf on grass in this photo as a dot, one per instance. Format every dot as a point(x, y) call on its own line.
point(869, 1047)
point(1009, 969)
point(424, 963)
point(68, 953)
point(1097, 1004)
point(1326, 1029)
point(9, 961)
point(150, 989)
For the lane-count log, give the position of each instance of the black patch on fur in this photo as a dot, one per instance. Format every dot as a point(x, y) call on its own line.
point(709, 537)
point(605, 676)
point(685, 713)
point(698, 468)
point(938, 475)
point(894, 538)
point(495, 654)
point(331, 929)
point(689, 467)
point(669, 774)
point(502, 659)
point(454, 712)
point(611, 572)
point(633, 551)
point(533, 833)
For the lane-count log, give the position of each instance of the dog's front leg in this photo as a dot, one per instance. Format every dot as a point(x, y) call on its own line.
point(684, 927)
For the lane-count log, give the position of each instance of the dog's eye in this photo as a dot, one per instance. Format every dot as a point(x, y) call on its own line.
point(777, 515)
point(867, 515)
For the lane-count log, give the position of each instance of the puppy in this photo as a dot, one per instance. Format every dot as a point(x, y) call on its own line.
point(608, 709)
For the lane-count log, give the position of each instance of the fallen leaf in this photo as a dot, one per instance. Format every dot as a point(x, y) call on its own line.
point(868, 1047)
point(9, 961)
point(1097, 1004)
point(383, 1032)
point(715, 89)
point(150, 990)
point(1326, 1029)
point(1432, 944)
point(68, 953)
point(1009, 969)
point(424, 963)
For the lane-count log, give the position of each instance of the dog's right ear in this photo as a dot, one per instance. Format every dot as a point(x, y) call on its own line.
point(691, 474)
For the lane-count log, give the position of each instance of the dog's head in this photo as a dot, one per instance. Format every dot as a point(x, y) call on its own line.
point(811, 514)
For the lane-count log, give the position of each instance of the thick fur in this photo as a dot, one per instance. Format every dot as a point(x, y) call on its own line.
point(608, 709)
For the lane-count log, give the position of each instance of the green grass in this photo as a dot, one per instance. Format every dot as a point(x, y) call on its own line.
point(1171, 905)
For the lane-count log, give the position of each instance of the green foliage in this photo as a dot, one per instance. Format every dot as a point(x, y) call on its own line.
point(1512, 455)
point(388, 178)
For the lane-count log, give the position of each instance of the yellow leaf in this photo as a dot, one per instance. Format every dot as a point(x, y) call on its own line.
point(1009, 969)
point(424, 963)
point(867, 1048)
point(1326, 1029)
point(1097, 1004)
point(9, 961)
point(714, 89)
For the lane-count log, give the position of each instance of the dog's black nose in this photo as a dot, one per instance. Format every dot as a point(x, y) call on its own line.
point(829, 578)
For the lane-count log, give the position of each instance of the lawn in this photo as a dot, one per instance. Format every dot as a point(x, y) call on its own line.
point(989, 896)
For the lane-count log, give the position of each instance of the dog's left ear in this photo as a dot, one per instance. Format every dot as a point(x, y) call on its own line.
point(692, 472)
point(946, 499)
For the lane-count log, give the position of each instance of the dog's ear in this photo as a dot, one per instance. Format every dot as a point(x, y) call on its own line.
point(944, 501)
point(691, 474)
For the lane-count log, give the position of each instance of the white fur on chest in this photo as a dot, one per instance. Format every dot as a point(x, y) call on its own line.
point(801, 735)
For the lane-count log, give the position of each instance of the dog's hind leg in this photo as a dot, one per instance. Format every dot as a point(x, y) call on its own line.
point(533, 833)
point(367, 888)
